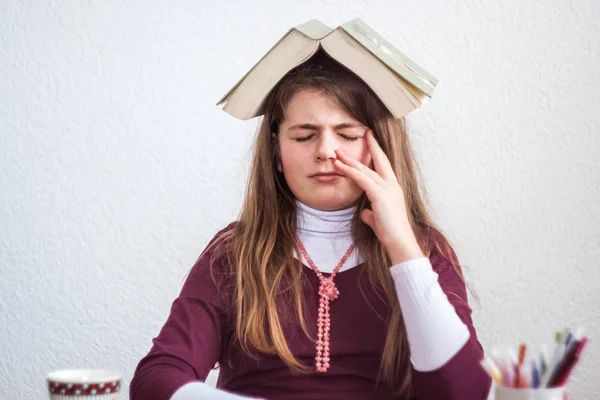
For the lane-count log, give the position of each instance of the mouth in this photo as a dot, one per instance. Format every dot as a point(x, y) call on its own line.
point(327, 178)
point(325, 174)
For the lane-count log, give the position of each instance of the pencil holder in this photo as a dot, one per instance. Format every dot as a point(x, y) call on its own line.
point(505, 393)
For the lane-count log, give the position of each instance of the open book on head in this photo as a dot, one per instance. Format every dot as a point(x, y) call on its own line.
point(399, 82)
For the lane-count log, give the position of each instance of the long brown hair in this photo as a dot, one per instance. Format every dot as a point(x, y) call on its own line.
point(262, 240)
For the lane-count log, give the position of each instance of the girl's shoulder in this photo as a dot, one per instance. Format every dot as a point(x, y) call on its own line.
point(219, 248)
point(438, 247)
point(212, 269)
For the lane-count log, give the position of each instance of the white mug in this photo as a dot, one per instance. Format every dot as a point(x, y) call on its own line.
point(84, 384)
point(504, 393)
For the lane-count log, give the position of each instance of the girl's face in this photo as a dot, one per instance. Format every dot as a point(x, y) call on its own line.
point(315, 126)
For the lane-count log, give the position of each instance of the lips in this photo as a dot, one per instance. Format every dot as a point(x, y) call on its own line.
point(326, 174)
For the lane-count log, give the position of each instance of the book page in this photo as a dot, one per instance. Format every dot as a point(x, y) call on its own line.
point(390, 55)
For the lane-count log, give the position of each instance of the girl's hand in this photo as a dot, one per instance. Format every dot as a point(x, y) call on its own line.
point(389, 218)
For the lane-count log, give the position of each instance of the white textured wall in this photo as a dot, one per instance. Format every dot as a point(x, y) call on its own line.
point(117, 168)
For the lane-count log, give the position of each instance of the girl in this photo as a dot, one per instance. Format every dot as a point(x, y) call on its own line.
point(334, 282)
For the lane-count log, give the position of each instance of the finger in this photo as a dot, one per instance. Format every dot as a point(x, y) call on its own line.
point(381, 162)
point(368, 217)
point(359, 166)
point(366, 183)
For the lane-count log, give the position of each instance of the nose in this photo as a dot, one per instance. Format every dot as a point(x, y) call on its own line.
point(326, 147)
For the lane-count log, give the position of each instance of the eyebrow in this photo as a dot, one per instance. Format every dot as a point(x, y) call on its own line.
point(316, 127)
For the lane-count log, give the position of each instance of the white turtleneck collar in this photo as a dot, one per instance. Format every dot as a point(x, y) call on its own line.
point(326, 235)
point(313, 221)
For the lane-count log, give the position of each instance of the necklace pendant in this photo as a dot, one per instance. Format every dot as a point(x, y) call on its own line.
point(328, 289)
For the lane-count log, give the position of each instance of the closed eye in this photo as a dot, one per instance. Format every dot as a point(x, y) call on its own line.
point(304, 139)
point(307, 138)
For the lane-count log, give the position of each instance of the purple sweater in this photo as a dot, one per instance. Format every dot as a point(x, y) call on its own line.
point(195, 335)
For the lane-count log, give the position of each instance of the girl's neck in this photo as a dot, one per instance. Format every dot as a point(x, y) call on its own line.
point(315, 221)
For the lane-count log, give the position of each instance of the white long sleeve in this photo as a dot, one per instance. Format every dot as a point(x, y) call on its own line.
point(435, 332)
point(203, 391)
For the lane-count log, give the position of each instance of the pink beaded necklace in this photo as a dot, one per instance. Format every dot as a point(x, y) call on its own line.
point(328, 292)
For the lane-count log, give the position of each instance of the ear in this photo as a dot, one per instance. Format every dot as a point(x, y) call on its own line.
point(276, 152)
